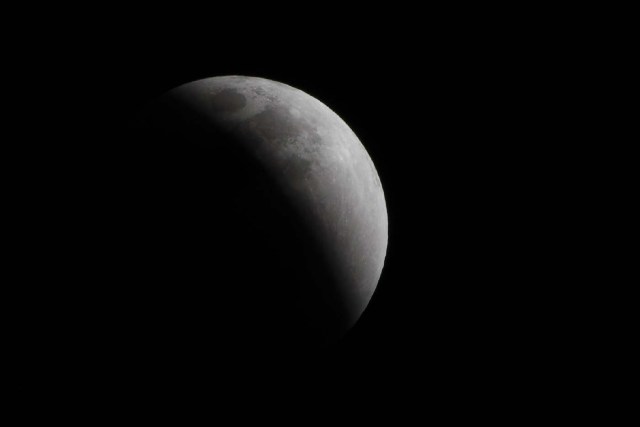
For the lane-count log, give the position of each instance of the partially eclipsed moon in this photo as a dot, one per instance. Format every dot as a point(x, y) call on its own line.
point(316, 161)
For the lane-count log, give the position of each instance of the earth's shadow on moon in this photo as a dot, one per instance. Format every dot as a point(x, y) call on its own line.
point(222, 260)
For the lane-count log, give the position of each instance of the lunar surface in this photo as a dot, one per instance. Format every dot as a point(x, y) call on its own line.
point(283, 166)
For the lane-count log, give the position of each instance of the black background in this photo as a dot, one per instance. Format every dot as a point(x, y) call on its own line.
point(450, 106)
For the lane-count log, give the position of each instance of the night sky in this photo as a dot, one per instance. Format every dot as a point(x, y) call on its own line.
point(448, 109)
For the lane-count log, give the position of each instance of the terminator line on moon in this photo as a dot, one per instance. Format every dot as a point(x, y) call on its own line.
point(317, 162)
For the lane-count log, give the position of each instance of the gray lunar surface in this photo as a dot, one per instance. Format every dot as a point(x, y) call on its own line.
point(318, 162)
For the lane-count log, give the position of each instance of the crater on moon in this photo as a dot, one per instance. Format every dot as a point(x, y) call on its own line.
point(228, 100)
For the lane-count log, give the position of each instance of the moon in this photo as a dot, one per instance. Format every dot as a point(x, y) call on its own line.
point(285, 166)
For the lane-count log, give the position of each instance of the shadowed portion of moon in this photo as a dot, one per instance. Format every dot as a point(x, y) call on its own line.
point(266, 215)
